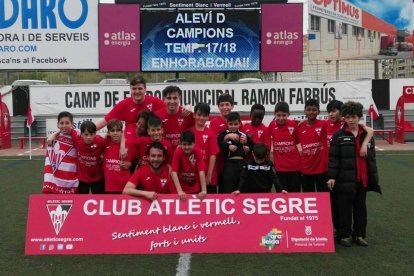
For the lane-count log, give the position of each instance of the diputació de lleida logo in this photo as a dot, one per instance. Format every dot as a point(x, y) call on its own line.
point(271, 239)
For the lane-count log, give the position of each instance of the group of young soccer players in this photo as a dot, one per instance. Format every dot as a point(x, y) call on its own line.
point(166, 148)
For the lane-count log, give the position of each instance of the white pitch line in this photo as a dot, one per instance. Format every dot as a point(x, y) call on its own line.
point(379, 149)
point(184, 263)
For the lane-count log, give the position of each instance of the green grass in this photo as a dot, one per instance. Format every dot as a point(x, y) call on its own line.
point(390, 227)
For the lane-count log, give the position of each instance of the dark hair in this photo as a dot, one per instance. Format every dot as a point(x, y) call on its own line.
point(157, 145)
point(145, 114)
point(352, 108)
point(154, 121)
point(88, 126)
point(260, 150)
point(334, 104)
point(138, 80)
point(282, 107)
point(171, 89)
point(257, 107)
point(65, 114)
point(203, 108)
point(312, 102)
point(233, 116)
point(114, 123)
point(225, 98)
point(187, 136)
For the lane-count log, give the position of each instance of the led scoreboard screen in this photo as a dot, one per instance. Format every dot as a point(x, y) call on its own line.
point(200, 40)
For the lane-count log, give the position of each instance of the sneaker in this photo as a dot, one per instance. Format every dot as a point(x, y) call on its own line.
point(347, 242)
point(361, 241)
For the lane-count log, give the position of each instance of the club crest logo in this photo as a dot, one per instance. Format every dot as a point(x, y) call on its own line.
point(259, 133)
point(163, 182)
point(180, 121)
point(57, 152)
point(318, 131)
point(58, 212)
point(149, 106)
point(205, 138)
point(271, 239)
point(290, 129)
point(192, 159)
point(308, 230)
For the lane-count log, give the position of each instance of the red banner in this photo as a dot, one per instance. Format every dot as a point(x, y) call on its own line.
point(117, 224)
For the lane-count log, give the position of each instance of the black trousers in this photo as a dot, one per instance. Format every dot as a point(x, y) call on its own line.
point(290, 181)
point(231, 175)
point(314, 183)
point(95, 187)
point(351, 212)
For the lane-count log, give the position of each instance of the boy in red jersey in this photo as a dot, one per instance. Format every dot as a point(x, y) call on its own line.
point(206, 141)
point(256, 129)
point(188, 171)
point(127, 110)
point(155, 132)
point(153, 178)
point(175, 119)
point(312, 137)
point(60, 172)
point(285, 152)
point(90, 149)
point(334, 122)
point(225, 104)
point(116, 170)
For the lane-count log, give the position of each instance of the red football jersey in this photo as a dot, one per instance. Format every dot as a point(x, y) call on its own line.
point(127, 110)
point(313, 141)
point(332, 128)
point(115, 177)
point(175, 124)
point(89, 155)
point(146, 180)
point(285, 152)
point(187, 168)
point(140, 144)
point(206, 141)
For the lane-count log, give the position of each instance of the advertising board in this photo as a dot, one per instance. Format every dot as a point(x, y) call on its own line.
point(202, 40)
point(48, 34)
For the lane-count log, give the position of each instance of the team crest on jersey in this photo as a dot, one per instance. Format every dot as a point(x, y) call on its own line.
point(58, 212)
point(149, 106)
point(180, 121)
point(260, 132)
point(318, 131)
point(57, 152)
point(291, 130)
point(205, 138)
point(192, 159)
point(163, 181)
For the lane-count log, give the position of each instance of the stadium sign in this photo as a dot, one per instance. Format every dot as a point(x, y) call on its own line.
point(48, 34)
point(99, 99)
point(117, 224)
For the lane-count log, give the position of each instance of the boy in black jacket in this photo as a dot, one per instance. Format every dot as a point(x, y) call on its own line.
point(351, 176)
point(234, 146)
point(259, 174)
